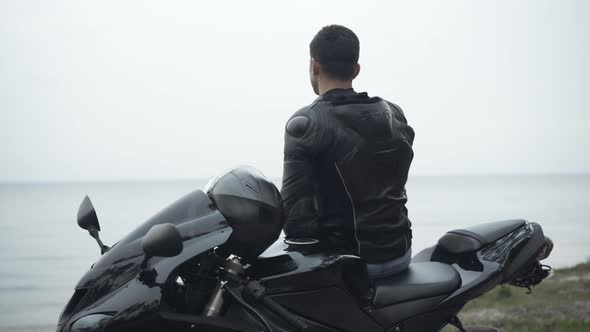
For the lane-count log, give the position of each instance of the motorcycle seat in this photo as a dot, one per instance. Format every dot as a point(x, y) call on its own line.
point(475, 237)
point(420, 280)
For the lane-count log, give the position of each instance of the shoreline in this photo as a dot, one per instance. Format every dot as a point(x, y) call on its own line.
point(560, 303)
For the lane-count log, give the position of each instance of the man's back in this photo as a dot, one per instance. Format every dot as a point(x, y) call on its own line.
point(347, 158)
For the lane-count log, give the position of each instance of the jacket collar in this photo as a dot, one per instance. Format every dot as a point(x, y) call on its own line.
point(334, 93)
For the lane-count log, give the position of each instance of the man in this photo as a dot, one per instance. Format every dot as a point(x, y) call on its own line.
point(347, 157)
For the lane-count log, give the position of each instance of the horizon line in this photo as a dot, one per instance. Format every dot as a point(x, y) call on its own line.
point(272, 178)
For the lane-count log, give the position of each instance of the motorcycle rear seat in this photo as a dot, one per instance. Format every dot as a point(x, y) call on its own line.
point(473, 238)
point(420, 280)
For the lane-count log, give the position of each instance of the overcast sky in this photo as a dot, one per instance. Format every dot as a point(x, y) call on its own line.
point(115, 90)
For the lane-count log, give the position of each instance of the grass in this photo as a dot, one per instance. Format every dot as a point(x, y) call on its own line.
point(561, 303)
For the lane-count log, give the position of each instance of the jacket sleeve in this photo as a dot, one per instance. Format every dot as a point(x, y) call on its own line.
point(305, 138)
point(408, 132)
point(398, 113)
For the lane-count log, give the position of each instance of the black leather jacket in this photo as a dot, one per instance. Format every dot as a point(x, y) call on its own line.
point(347, 158)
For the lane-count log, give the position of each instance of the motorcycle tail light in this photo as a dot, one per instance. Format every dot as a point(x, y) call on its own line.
point(500, 250)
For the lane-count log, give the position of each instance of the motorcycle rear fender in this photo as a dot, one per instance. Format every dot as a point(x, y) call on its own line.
point(526, 255)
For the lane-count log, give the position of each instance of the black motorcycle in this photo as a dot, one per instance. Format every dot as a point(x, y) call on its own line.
point(208, 263)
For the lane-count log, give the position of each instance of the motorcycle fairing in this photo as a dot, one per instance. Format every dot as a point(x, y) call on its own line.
point(201, 227)
point(142, 294)
point(390, 315)
point(332, 282)
point(332, 306)
point(307, 267)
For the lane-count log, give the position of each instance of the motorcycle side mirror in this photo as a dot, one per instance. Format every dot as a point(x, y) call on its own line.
point(88, 220)
point(162, 240)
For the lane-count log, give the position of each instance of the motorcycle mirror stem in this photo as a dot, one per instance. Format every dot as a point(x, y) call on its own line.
point(88, 220)
point(94, 233)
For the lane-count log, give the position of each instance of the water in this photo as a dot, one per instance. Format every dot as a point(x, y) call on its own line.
point(43, 252)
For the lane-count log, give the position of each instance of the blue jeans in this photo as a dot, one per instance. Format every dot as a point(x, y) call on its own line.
point(386, 269)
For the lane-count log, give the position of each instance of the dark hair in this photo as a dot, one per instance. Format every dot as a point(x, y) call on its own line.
point(336, 48)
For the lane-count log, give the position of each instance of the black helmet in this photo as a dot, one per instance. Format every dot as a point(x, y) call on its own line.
point(252, 206)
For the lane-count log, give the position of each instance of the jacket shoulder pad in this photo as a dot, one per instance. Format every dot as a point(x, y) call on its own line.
point(298, 125)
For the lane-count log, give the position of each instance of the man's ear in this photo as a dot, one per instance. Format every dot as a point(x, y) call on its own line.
point(357, 70)
point(315, 67)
